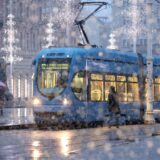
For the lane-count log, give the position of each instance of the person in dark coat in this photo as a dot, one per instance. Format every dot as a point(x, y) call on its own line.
point(113, 105)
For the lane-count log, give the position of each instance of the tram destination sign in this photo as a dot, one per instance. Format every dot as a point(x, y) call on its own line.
point(55, 66)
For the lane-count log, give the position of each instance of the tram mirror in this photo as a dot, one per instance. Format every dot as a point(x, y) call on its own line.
point(34, 62)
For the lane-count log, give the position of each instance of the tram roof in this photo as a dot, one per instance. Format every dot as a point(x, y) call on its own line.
point(94, 53)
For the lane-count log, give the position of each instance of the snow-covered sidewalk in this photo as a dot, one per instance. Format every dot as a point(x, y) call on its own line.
point(16, 116)
point(135, 142)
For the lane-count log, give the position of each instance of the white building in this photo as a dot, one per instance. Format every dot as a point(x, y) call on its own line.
point(31, 18)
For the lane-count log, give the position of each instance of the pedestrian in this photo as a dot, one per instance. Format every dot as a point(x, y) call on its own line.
point(113, 106)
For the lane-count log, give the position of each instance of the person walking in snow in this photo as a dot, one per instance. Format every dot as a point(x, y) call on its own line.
point(113, 106)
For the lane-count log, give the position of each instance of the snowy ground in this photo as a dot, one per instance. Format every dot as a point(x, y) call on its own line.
point(16, 116)
point(84, 144)
point(124, 143)
point(135, 149)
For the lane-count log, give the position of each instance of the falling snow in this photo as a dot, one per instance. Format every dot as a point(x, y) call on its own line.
point(55, 87)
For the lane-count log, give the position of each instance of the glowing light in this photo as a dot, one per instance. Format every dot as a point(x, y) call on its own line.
point(36, 102)
point(36, 143)
point(26, 87)
point(50, 34)
point(12, 59)
point(19, 112)
point(36, 154)
point(10, 43)
point(112, 42)
point(64, 142)
point(66, 101)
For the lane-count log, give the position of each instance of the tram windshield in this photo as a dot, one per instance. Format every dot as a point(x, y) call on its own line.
point(52, 76)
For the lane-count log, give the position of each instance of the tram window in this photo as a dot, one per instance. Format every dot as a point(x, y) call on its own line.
point(121, 86)
point(109, 81)
point(121, 78)
point(96, 87)
point(96, 77)
point(157, 80)
point(50, 79)
point(107, 86)
point(96, 90)
point(79, 86)
point(132, 89)
point(145, 90)
point(157, 92)
point(110, 78)
point(132, 79)
point(133, 92)
point(157, 89)
point(52, 76)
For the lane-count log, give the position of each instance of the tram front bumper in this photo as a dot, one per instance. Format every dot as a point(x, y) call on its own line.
point(52, 115)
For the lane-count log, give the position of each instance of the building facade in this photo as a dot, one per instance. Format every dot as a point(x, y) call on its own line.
point(121, 11)
point(31, 17)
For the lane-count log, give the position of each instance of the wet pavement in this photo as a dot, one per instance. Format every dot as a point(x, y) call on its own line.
point(84, 144)
point(132, 142)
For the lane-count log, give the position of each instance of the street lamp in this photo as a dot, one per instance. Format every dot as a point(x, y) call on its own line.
point(149, 117)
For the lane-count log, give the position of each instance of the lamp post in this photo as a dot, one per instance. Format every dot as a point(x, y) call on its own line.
point(148, 117)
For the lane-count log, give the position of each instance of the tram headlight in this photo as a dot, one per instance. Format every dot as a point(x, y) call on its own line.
point(36, 101)
point(66, 101)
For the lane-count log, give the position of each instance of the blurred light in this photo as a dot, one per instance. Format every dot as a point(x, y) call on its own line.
point(36, 101)
point(64, 143)
point(19, 112)
point(66, 101)
point(36, 143)
point(36, 154)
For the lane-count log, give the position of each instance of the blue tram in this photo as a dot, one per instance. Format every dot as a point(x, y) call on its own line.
point(72, 84)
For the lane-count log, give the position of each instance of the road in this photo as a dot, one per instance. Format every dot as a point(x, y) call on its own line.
point(84, 144)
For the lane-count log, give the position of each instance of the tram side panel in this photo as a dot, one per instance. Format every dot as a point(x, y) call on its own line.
point(97, 73)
